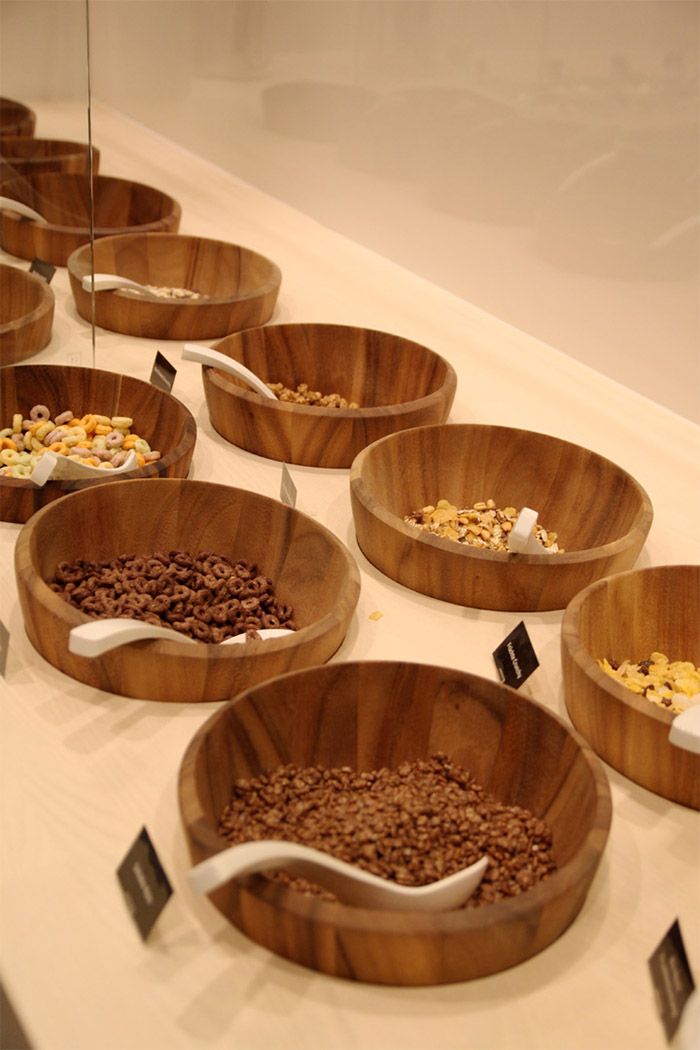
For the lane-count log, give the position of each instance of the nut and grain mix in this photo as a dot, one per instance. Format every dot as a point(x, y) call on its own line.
point(413, 825)
point(205, 596)
point(481, 525)
point(674, 685)
point(304, 396)
point(163, 292)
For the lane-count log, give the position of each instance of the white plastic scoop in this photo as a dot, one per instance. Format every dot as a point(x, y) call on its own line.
point(685, 730)
point(51, 467)
point(100, 636)
point(205, 356)
point(351, 884)
point(521, 538)
point(105, 282)
point(8, 204)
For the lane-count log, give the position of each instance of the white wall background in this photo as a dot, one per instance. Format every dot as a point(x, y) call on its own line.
point(540, 158)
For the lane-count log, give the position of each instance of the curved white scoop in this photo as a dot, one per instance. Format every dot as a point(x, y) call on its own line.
point(106, 281)
point(99, 636)
point(521, 538)
point(205, 356)
point(8, 204)
point(351, 884)
point(51, 467)
point(685, 730)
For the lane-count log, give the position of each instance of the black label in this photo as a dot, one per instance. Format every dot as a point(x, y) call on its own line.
point(4, 647)
point(163, 374)
point(672, 979)
point(42, 269)
point(515, 658)
point(288, 490)
point(144, 883)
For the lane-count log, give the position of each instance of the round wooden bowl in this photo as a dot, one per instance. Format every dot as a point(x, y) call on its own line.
point(600, 513)
point(25, 155)
point(158, 417)
point(63, 199)
point(241, 286)
point(26, 314)
point(372, 715)
point(311, 571)
point(397, 382)
point(627, 617)
point(16, 118)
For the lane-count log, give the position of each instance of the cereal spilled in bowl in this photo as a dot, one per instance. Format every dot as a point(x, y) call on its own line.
point(304, 395)
point(674, 685)
point(482, 525)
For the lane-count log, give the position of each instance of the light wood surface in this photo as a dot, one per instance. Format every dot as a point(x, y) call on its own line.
point(242, 284)
point(628, 617)
point(396, 382)
point(26, 315)
point(601, 515)
point(16, 118)
point(371, 715)
point(158, 417)
point(26, 155)
point(63, 199)
point(83, 770)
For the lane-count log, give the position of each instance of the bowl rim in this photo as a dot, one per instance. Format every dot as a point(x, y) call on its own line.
point(46, 303)
point(23, 111)
point(460, 920)
point(77, 149)
point(360, 490)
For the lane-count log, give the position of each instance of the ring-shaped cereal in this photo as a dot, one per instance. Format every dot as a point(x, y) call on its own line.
point(65, 417)
point(115, 439)
point(40, 413)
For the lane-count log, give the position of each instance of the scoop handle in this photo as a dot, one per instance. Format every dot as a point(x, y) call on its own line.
point(685, 730)
point(104, 282)
point(100, 636)
point(9, 204)
point(205, 356)
point(521, 539)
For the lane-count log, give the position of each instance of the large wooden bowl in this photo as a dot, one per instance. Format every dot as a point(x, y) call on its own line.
point(16, 118)
point(311, 571)
point(242, 286)
point(370, 715)
point(600, 513)
point(158, 417)
point(25, 155)
point(397, 383)
point(63, 199)
point(629, 616)
point(26, 314)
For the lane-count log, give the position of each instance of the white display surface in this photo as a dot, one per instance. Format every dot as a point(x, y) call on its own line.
point(83, 770)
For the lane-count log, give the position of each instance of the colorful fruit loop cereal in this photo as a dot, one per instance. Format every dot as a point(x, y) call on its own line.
point(674, 685)
point(483, 525)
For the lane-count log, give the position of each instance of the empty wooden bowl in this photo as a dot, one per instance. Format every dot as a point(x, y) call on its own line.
point(627, 617)
point(63, 200)
point(310, 569)
point(372, 715)
point(16, 118)
point(26, 314)
point(158, 417)
point(240, 286)
point(25, 155)
point(396, 382)
point(600, 513)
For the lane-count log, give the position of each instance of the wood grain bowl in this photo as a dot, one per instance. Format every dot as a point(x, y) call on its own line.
point(600, 513)
point(370, 715)
point(26, 314)
point(397, 383)
point(310, 568)
point(241, 286)
point(26, 155)
point(16, 118)
point(627, 617)
point(121, 206)
point(158, 417)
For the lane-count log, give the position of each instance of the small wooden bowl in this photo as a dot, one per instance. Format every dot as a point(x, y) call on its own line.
point(16, 118)
point(158, 417)
point(311, 571)
point(26, 314)
point(63, 199)
point(397, 382)
point(627, 617)
point(25, 155)
point(600, 513)
point(242, 286)
point(371, 715)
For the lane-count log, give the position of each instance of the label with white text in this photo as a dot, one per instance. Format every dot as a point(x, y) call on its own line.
point(144, 883)
point(515, 657)
point(42, 269)
point(163, 373)
point(672, 979)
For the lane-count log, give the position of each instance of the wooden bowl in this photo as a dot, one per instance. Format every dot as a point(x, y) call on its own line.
point(311, 570)
point(158, 417)
point(600, 513)
point(242, 286)
point(629, 616)
point(397, 382)
point(25, 155)
point(16, 118)
point(26, 314)
point(370, 715)
point(63, 199)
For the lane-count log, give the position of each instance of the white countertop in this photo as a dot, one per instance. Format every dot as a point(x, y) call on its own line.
point(83, 771)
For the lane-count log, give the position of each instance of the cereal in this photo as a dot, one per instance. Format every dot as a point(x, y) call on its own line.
point(206, 596)
point(674, 685)
point(304, 396)
point(483, 525)
point(413, 825)
point(163, 292)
